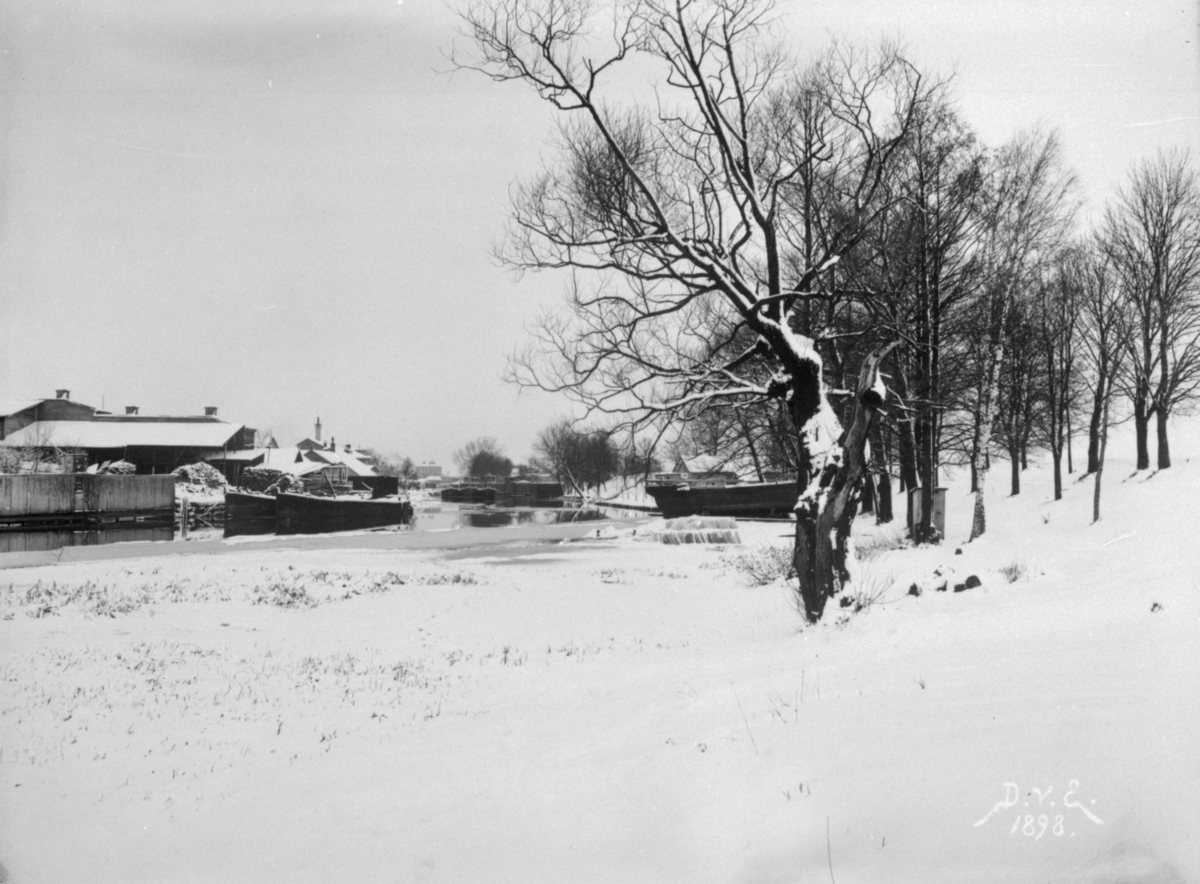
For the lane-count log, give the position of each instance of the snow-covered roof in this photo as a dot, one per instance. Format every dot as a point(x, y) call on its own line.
point(12, 406)
point(303, 468)
point(707, 463)
point(280, 458)
point(248, 455)
point(104, 433)
point(295, 461)
point(331, 456)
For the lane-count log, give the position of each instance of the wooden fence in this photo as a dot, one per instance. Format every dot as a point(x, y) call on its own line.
point(128, 493)
point(75, 502)
point(36, 495)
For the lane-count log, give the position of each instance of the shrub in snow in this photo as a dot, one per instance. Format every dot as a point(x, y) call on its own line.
point(283, 594)
point(764, 565)
point(119, 468)
point(865, 590)
point(199, 474)
point(1014, 571)
point(868, 547)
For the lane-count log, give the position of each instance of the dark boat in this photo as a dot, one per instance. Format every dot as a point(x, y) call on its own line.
point(247, 513)
point(468, 494)
point(306, 514)
point(748, 501)
point(524, 492)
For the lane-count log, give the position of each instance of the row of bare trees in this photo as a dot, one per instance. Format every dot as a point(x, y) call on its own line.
point(1112, 324)
point(818, 260)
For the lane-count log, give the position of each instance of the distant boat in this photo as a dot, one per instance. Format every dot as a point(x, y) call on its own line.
point(702, 498)
point(306, 514)
point(468, 494)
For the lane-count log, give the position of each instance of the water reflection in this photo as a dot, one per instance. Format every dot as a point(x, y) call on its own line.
point(40, 541)
point(429, 517)
point(447, 517)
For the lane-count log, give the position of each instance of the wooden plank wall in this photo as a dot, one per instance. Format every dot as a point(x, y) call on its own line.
point(50, 494)
point(28, 495)
point(108, 494)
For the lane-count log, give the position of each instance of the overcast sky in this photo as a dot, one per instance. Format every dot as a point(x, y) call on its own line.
point(283, 208)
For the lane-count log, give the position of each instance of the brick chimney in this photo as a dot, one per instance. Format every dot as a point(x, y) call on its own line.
point(318, 436)
point(210, 411)
point(62, 394)
point(131, 409)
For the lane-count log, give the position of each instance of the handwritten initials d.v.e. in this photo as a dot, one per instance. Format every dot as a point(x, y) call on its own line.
point(1012, 794)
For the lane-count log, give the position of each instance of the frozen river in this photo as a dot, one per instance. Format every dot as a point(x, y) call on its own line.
point(438, 526)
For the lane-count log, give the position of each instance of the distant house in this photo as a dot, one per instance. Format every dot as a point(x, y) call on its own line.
point(322, 468)
point(152, 443)
point(315, 443)
point(428, 471)
point(346, 456)
point(323, 477)
point(702, 468)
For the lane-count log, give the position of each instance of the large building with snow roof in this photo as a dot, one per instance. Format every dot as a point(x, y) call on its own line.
point(152, 443)
point(18, 413)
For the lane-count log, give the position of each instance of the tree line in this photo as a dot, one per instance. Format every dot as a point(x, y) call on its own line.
point(578, 458)
point(819, 264)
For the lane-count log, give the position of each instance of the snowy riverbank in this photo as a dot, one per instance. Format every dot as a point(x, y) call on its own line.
point(615, 709)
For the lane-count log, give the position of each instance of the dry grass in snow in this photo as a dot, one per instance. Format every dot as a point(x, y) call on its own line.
point(619, 710)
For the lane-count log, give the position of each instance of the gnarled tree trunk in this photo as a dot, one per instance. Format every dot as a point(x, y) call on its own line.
point(827, 504)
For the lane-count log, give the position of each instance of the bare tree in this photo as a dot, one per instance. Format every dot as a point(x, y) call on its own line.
point(639, 459)
point(733, 190)
point(1104, 319)
point(42, 451)
point(1019, 404)
point(406, 471)
point(578, 459)
point(1031, 209)
point(1152, 235)
point(919, 269)
point(482, 457)
point(1059, 302)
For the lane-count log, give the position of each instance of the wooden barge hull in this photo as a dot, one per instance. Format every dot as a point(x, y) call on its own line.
point(468, 494)
point(759, 500)
point(300, 514)
point(249, 513)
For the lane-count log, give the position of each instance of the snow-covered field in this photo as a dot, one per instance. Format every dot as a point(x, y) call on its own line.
point(619, 710)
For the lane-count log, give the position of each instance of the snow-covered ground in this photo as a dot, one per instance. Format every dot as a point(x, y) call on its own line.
point(620, 710)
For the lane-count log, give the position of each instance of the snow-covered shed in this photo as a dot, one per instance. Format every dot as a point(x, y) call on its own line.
point(152, 443)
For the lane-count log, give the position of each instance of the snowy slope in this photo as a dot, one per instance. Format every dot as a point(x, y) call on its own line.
point(620, 710)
